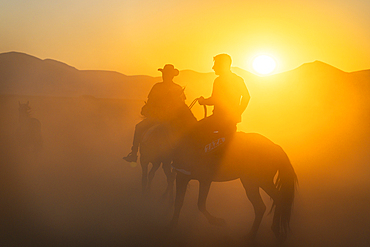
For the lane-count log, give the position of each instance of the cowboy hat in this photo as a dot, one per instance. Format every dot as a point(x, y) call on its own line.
point(169, 68)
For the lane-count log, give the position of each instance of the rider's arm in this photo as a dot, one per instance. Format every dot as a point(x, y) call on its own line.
point(244, 103)
point(245, 99)
point(208, 101)
point(211, 100)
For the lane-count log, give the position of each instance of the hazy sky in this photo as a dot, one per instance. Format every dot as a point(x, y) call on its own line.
point(139, 36)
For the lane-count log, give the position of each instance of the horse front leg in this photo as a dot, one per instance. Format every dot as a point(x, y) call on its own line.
point(204, 187)
point(181, 185)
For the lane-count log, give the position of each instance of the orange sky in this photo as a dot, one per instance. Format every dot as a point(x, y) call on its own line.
point(137, 37)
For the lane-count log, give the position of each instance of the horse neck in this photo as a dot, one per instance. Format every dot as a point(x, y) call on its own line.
point(185, 121)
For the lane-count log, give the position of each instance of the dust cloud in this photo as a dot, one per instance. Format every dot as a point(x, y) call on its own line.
point(79, 192)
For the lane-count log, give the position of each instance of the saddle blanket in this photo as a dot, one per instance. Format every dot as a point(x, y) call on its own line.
point(214, 144)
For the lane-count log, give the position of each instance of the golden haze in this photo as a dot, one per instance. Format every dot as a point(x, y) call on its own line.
point(138, 37)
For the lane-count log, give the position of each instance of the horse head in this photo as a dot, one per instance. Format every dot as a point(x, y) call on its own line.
point(24, 109)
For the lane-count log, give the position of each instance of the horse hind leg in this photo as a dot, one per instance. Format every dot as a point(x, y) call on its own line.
point(204, 187)
point(259, 206)
point(273, 192)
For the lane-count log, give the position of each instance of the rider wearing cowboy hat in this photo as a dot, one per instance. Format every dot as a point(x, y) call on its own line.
point(164, 99)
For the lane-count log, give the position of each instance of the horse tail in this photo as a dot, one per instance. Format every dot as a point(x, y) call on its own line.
point(285, 183)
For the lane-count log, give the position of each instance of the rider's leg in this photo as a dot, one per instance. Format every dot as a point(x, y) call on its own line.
point(207, 125)
point(201, 133)
point(140, 130)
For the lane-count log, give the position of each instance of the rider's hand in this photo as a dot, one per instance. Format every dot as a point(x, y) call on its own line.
point(201, 100)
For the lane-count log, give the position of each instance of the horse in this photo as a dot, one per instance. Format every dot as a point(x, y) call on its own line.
point(257, 162)
point(28, 133)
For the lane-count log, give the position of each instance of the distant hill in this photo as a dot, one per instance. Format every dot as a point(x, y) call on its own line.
point(22, 74)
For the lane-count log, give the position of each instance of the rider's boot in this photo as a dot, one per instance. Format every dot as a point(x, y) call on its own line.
point(131, 157)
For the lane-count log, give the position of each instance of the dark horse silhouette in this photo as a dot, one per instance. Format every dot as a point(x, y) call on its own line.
point(29, 138)
point(258, 163)
point(250, 157)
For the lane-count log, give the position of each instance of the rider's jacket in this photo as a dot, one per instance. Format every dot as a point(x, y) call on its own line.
point(226, 95)
point(164, 100)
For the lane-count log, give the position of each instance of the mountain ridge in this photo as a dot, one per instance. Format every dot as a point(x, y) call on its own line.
point(24, 74)
point(315, 63)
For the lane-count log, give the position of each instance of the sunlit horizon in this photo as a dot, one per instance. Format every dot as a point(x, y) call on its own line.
point(136, 38)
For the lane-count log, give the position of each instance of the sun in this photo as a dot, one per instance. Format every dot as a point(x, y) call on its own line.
point(264, 64)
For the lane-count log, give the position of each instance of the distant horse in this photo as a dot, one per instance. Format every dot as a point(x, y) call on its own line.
point(155, 148)
point(29, 130)
point(256, 161)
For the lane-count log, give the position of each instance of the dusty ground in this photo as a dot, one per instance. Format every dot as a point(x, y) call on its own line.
point(79, 191)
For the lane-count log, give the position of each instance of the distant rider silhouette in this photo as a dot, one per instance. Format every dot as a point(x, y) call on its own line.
point(164, 100)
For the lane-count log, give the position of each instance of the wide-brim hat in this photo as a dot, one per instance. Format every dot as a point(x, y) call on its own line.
point(169, 69)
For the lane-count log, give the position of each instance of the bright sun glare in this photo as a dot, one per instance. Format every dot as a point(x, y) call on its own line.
point(264, 64)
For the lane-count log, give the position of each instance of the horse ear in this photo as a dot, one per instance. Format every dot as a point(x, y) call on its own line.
point(28, 103)
point(19, 103)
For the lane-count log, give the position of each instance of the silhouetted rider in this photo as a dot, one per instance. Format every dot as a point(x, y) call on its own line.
point(230, 98)
point(164, 100)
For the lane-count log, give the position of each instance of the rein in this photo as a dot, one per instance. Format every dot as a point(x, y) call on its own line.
point(204, 106)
